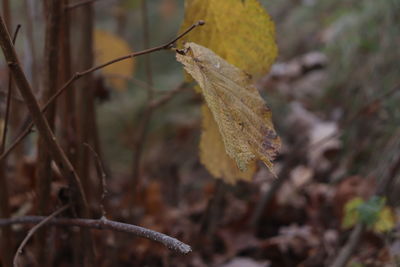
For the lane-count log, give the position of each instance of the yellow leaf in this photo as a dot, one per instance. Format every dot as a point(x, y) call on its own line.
point(386, 221)
point(380, 220)
point(243, 119)
point(351, 212)
point(240, 31)
point(213, 154)
point(108, 47)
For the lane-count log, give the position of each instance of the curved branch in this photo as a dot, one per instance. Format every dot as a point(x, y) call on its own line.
point(34, 229)
point(105, 224)
point(78, 75)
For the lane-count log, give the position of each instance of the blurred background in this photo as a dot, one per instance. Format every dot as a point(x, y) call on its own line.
point(334, 95)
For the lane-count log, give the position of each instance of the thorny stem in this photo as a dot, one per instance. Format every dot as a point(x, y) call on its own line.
point(34, 229)
point(78, 75)
point(105, 224)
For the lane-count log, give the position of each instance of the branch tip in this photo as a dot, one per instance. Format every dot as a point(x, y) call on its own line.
point(200, 23)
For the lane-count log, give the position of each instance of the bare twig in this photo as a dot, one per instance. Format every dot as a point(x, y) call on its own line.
point(102, 177)
point(105, 224)
point(283, 176)
point(212, 216)
point(356, 115)
point(78, 75)
point(6, 242)
point(34, 229)
point(40, 121)
point(140, 137)
point(165, 98)
point(50, 80)
point(9, 96)
point(79, 4)
point(351, 245)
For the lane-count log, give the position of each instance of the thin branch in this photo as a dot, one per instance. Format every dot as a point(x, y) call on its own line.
point(34, 229)
point(3, 94)
point(140, 137)
point(168, 96)
point(9, 96)
point(351, 119)
point(105, 224)
point(79, 4)
point(58, 155)
point(351, 245)
point(284, 174)
point(6, 243)
point(78, 75)
point(102, 177)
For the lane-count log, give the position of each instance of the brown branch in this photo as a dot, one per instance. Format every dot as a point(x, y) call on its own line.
point(58, 155)
point(34, 229)
point(51, 77)
point(6, 243)
point(168, 96)
point(79, 4)
point(356, 115)
point(78, 75)
point(102, 177)
point(105, 224)
point(9, 97)
point(140, 137)
point(284, 174)
point(351, 245)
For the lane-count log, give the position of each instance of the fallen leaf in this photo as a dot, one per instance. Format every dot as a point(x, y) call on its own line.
point(243, 119)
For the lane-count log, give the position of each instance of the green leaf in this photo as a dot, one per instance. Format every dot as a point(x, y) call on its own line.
point(373, 213)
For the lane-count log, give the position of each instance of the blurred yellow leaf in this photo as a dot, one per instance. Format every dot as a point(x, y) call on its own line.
point(243, 119)
point(351, 212)
point(108, 47)
point(386, 221)
point(240, 31)
point(374, 213)
point(213, 154)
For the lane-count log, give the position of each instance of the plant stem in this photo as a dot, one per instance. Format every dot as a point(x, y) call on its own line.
point(43, 171)
point(105, 224)
point(7, 242)
point(40, 121)
point(140, 137)
point(78, 75)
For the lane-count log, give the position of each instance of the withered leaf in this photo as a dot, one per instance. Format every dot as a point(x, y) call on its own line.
point(243, 119)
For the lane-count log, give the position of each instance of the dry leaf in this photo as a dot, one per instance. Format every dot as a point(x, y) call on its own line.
point(242, 33)
point(108, 47)
point(239, 31)
point(213, 154)
point(243, 119)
